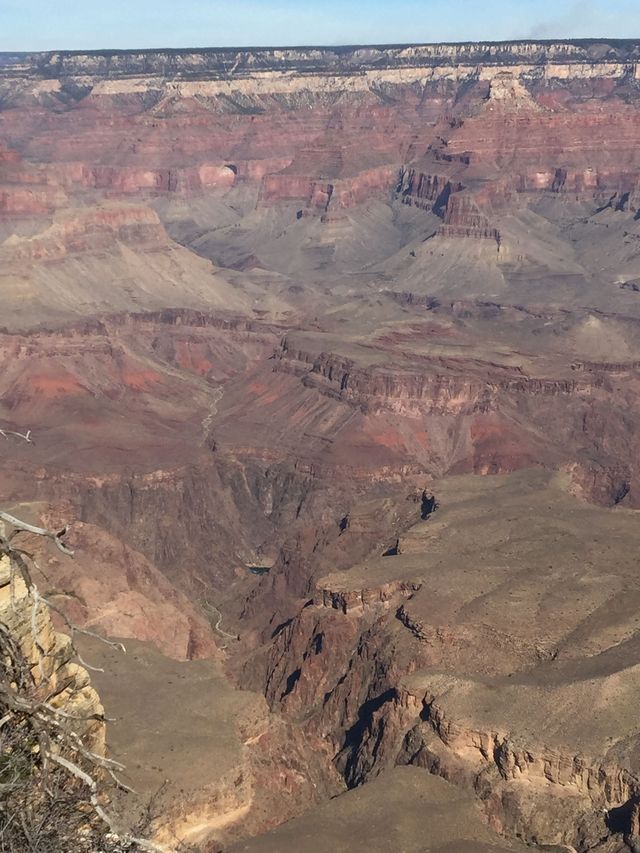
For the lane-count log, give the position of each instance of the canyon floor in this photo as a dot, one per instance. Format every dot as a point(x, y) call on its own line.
point(331, 360)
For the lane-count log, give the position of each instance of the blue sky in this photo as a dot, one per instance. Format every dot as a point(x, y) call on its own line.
point(85, 24)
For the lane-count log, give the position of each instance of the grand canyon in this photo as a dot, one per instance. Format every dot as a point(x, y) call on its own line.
point(330, 360)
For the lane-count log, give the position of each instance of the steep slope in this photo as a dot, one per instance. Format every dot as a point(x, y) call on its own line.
point(495, 646)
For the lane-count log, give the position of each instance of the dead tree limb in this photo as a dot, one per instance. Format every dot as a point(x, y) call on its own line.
point(25, 436)
point(56, 536)
point(52, 779)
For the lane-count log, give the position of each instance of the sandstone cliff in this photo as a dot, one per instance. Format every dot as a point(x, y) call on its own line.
point(250, 62)
point(51, 657)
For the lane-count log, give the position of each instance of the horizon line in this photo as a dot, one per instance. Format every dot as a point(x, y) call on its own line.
point(338, 46)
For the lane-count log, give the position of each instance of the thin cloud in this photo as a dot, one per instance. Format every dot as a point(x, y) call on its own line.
point(588, 19)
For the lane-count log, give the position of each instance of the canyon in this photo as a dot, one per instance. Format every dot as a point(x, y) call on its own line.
point(331, 363)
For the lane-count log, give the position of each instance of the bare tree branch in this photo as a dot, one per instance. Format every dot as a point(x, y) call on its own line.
point(25, 436)
point(57, 537)
point(40, 735)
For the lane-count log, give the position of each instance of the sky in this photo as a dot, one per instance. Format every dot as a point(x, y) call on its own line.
point(89, 25)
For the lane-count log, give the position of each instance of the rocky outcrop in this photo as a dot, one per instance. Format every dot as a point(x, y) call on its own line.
point(361, 600)
point(529, 791)
point(430, 192)
point(328, 194)
point(542, 794)
point(599, 482)
point(435, 389)
point(25, 189)
point(51, 657)
point(463, 218)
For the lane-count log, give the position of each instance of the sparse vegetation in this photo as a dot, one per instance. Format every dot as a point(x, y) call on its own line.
point(55, 785)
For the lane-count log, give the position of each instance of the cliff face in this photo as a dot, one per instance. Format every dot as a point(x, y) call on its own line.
point(249, 62)
point(425, 658)
point(238, 118)
point(434, 389)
